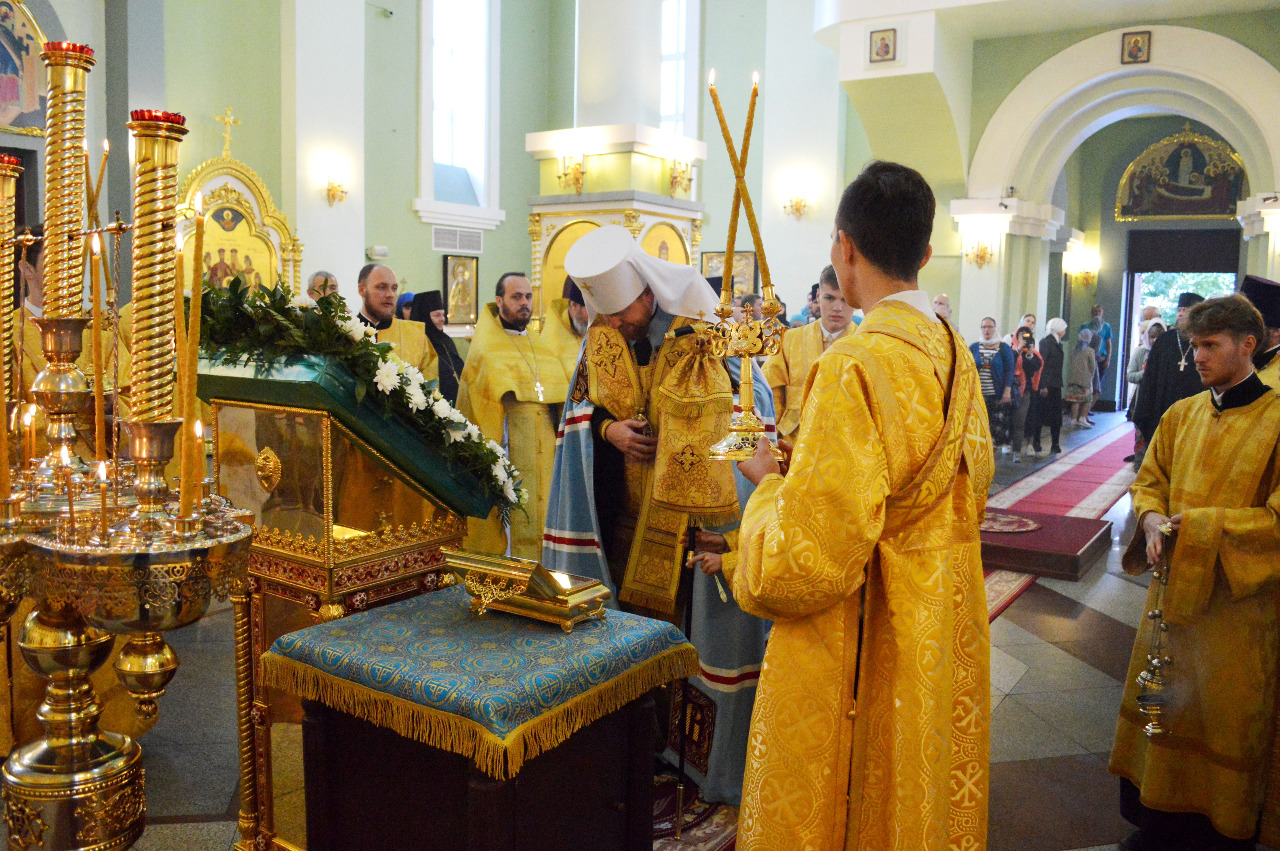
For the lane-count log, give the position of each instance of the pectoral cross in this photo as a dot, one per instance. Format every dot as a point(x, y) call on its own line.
point(537, 388)
point(1182, 362)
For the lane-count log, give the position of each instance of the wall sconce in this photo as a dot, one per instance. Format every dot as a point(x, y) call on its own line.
point(978, 254)
point(1081, 266)
point(572, 170)
point(795, 207)
point(334, 192)
point(681, 177)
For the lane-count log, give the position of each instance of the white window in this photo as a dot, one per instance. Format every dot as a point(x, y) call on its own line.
point(672, 76)
point(458, 114)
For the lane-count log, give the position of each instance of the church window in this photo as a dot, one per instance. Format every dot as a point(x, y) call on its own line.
point(672, 74)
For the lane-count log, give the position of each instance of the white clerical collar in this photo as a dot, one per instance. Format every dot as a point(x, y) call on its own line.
point(829, 338)
point(918, 299)
point(37, 312)
point(524, 332)
point(1217, 397)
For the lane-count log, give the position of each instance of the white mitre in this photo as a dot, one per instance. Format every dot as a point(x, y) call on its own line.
point(612, 271)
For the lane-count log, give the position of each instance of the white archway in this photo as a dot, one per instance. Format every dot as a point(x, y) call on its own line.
point(1193, 73)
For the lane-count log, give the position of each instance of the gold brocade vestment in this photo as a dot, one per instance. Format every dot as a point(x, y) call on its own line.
point(558, 335)
point(1270, 374)
point(686, 395)
point(886, 488)
point(513, 388)
point(788, 371)
point(1221, 757)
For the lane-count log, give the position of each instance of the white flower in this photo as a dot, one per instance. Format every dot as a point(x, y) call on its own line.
point(524, 496)
point(352, 328)
point(441, 408)
point(497, 448)
point(388, 377)
point(509, 491)
point(500, 473)
point(436, 396)
point(473, 433)
point(456, 415)
point(450, 435)
point(302, 301)
point(370, 331)
point(417, 399)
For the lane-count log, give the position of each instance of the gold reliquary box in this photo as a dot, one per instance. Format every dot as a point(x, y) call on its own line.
point(526, 588)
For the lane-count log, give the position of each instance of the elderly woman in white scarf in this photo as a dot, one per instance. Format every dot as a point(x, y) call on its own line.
point(1082, 375)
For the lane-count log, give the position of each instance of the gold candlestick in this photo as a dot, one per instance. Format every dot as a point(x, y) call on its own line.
point(156, 135)
point(65, 178)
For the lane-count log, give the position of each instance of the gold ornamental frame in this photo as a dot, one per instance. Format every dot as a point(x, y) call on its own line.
point(1219, 153)
point(20, 8)
point(258, 208)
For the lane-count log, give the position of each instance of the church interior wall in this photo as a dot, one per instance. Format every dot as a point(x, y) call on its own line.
point(1096, 169)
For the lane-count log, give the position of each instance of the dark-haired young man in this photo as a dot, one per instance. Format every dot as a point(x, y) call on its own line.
point(378, 287)
point(870, 727)
point(1207, 496)
point(513, 387)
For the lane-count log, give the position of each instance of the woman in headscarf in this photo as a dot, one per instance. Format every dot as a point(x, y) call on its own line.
point(1027, 369)
point(403, 304)
point(1083, 373)
point(428, 308)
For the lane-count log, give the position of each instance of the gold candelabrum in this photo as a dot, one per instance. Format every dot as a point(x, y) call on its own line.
point(107, 555)
point(749, 337)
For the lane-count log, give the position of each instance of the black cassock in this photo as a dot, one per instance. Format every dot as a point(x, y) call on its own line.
point(1169, 375)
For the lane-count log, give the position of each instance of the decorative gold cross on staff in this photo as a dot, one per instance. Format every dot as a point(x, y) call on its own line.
point(226, 120)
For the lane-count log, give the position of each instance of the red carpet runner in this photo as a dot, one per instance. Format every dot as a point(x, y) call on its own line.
point(1085, 482)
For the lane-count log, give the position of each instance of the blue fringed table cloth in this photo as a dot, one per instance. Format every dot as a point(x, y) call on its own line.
point(499, 689)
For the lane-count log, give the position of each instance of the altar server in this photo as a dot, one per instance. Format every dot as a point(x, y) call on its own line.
point(1265, 296)
point(871, 724)
point(1211, 479)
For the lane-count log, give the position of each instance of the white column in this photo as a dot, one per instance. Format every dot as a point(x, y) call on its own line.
point(1260, 217)
point(322, 117)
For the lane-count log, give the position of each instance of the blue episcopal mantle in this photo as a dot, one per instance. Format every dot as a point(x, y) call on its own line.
point(499, 689)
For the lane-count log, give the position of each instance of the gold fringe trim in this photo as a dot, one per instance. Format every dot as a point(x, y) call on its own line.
point(499, 758)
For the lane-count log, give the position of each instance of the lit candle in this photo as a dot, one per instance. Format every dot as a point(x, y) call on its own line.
point(99, 373)
point(197, 291)
point(6, 489)
point(740, 177)
point(179, 329)
point(103, 525)
point(726, 286)
point(190, 469)
point(29, 425)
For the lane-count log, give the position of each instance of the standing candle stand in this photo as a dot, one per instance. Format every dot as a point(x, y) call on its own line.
point(99, 563)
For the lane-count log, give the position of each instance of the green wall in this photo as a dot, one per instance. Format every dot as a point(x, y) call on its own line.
point(227, 54)
point(535, 93)
point(732, 43)
point(1000, 64)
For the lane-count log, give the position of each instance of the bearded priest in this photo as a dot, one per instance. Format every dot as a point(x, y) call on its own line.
point(633, 472)
point(871, 725)
point(1206, 498)
point(513, 388)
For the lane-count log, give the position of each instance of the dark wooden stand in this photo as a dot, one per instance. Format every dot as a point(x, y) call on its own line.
point(368, 787)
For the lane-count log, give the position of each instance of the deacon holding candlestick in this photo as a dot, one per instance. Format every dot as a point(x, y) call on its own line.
point(634, 468)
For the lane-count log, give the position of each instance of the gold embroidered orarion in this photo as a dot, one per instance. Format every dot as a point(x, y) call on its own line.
point(156, 136)
point(64, 174)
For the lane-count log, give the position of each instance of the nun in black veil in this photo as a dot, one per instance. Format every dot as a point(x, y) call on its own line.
point(428, 308)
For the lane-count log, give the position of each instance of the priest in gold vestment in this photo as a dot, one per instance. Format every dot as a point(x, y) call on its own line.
point(378, 287)
point(870, 728)
point(788, 370)
point(1211, 479)
point(566, 326)
point(513, 387)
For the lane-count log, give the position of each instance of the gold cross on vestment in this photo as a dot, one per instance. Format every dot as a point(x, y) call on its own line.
point(226, 120)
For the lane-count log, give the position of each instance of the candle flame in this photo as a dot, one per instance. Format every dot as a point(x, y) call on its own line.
point(96, 245)
point(711, 78)
point(199, 430)
point(26, 419)
point(84, 143)
point(106, 146)
point(177, 241)
point(197, 203)
point(755, 78)
point(65, 455)
point(102, 471)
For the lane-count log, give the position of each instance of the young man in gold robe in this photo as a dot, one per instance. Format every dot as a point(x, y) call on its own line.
point(870, 728)
point(378, 289)
point(788, 370)
point(1206, 498)
point(1265, 295)
point(513, 387)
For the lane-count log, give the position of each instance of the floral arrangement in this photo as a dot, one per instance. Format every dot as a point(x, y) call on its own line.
point(253, 323)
